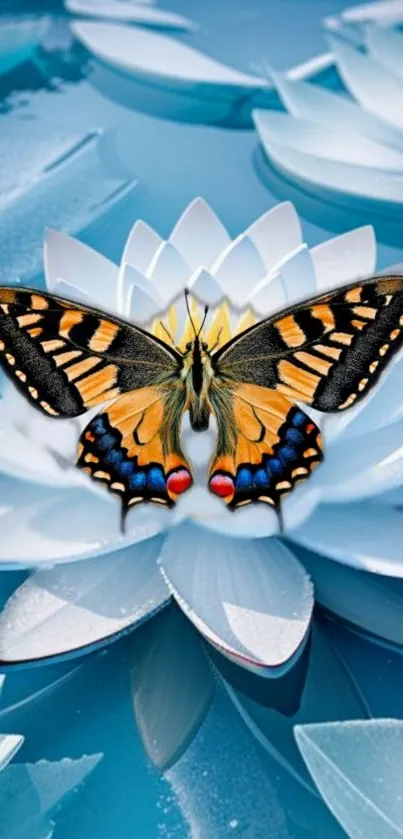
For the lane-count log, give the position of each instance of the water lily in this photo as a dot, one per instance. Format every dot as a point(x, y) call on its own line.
point(242, 584)
point(350, 147)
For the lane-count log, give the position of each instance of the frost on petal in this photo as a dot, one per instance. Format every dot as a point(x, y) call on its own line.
point(318, 154)
point(239, 269)
point(276, 234)
point(361, 598)
point(140, 13)
point(251, 600)
point(9, 745)
point(367, 538)
point(18, 40)
point(386, 46)
point(46, 525)
point(70, 261)
point(73, 608)
point(345, 258)
point(172, 665)
point(153, 57)
point(378, 90)
point(355, 766)
point(30, 791)
point(199, 235)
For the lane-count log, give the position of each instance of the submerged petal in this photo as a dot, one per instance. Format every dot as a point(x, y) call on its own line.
point(172, 664)
point(355, 766)
point(250, 600)
point(74, 608)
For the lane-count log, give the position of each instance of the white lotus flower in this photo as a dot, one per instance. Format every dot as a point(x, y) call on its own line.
point(351, 146)
point(242, 586)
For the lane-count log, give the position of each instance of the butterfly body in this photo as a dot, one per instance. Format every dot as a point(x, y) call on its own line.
point(326, 353)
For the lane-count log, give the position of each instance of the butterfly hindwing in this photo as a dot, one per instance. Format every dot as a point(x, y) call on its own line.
point(67, 358)
point(272, 446)
point(327, 352)
point(130, 448)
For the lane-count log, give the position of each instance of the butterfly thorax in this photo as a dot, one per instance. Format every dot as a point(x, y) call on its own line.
point(197, 374)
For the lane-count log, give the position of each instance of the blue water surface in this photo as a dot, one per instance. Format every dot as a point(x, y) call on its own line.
point(63, 171)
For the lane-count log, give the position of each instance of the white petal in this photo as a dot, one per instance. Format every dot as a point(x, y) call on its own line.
point(29, 791)
point(143, 300)
point(345, 258)
point(171, 664)
point(375, 88)
point(46, 525)
point(383, 12)
point(130, 12)
point(355, 766)
point(316, 68)
point(72, 608)
point(80, 266)
point(250, 600)
point(276, 234)
point(318, 154)
point(9, 745)
point(2, 680)
point(199, 235)
point(363, 599)
point(167, 271)
point(205, 287)
point(298, 274)
point(239, 269)
point(316, 103)
point(269, 295)
point(364, 537)
point(18, 40)
point(158, 58)
point(141, 245)
point(386, 46)
point(252, 522)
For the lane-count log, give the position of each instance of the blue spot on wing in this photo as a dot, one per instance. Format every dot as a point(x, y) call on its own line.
point(155, 479)
point(106, 441)
point(288, 454)
point(138, 480)
point(299, 419)
point(243, 479)
point(261, 479)
point(293, 437)
point(274, 466)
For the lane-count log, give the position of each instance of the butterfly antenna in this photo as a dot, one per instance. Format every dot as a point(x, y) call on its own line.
point(170, 337)
point(206, 308)
point(187, 292)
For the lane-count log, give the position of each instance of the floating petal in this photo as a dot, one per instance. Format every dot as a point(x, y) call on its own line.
point(19, 39)
point(172, 665)
point(355, 767)
point(129, 12)
point(75, 608)
point(158, 58)
point(354, 534)
point(344, 258)
point(376, 89)
point(199, 235)
point(9, 745)
point(252, 602)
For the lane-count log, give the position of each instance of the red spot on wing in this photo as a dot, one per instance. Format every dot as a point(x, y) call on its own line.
point(222, 485)
point(310, 427)
point(179, 481)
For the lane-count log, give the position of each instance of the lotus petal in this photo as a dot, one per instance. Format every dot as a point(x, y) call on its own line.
point(172, 665)
point(361, 598)
point(19, 39)
point(383, 12)
point(160, 59)
point(82, 180)
point(375, 88)
point(239, 269)
point(312, 102)
point(71, 609)
point(168, 271)
point(319, 154)
point(276, 234)
point(141, 245)
point(269, 295)
point(344, 258)
point(143, 300)
point(355, 767)
point(199, 236)
point(69, 260)
point(29, 791)
point(9, 745)
point(46, 525)
point(129, 12)
point(365, 538)
point(21, 457)
point(298, 274)
point(205, 287)
point(386, 46)
point(253, 603)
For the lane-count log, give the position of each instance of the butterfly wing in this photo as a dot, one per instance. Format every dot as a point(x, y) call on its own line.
point(66, 358)
point(327, 352)
point(265, 445)
point(133, 447)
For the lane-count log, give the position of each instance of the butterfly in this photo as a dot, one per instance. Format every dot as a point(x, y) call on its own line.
point(326, 353)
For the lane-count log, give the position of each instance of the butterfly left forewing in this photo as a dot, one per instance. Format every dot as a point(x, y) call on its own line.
point(271, 446)
point(132, 449)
